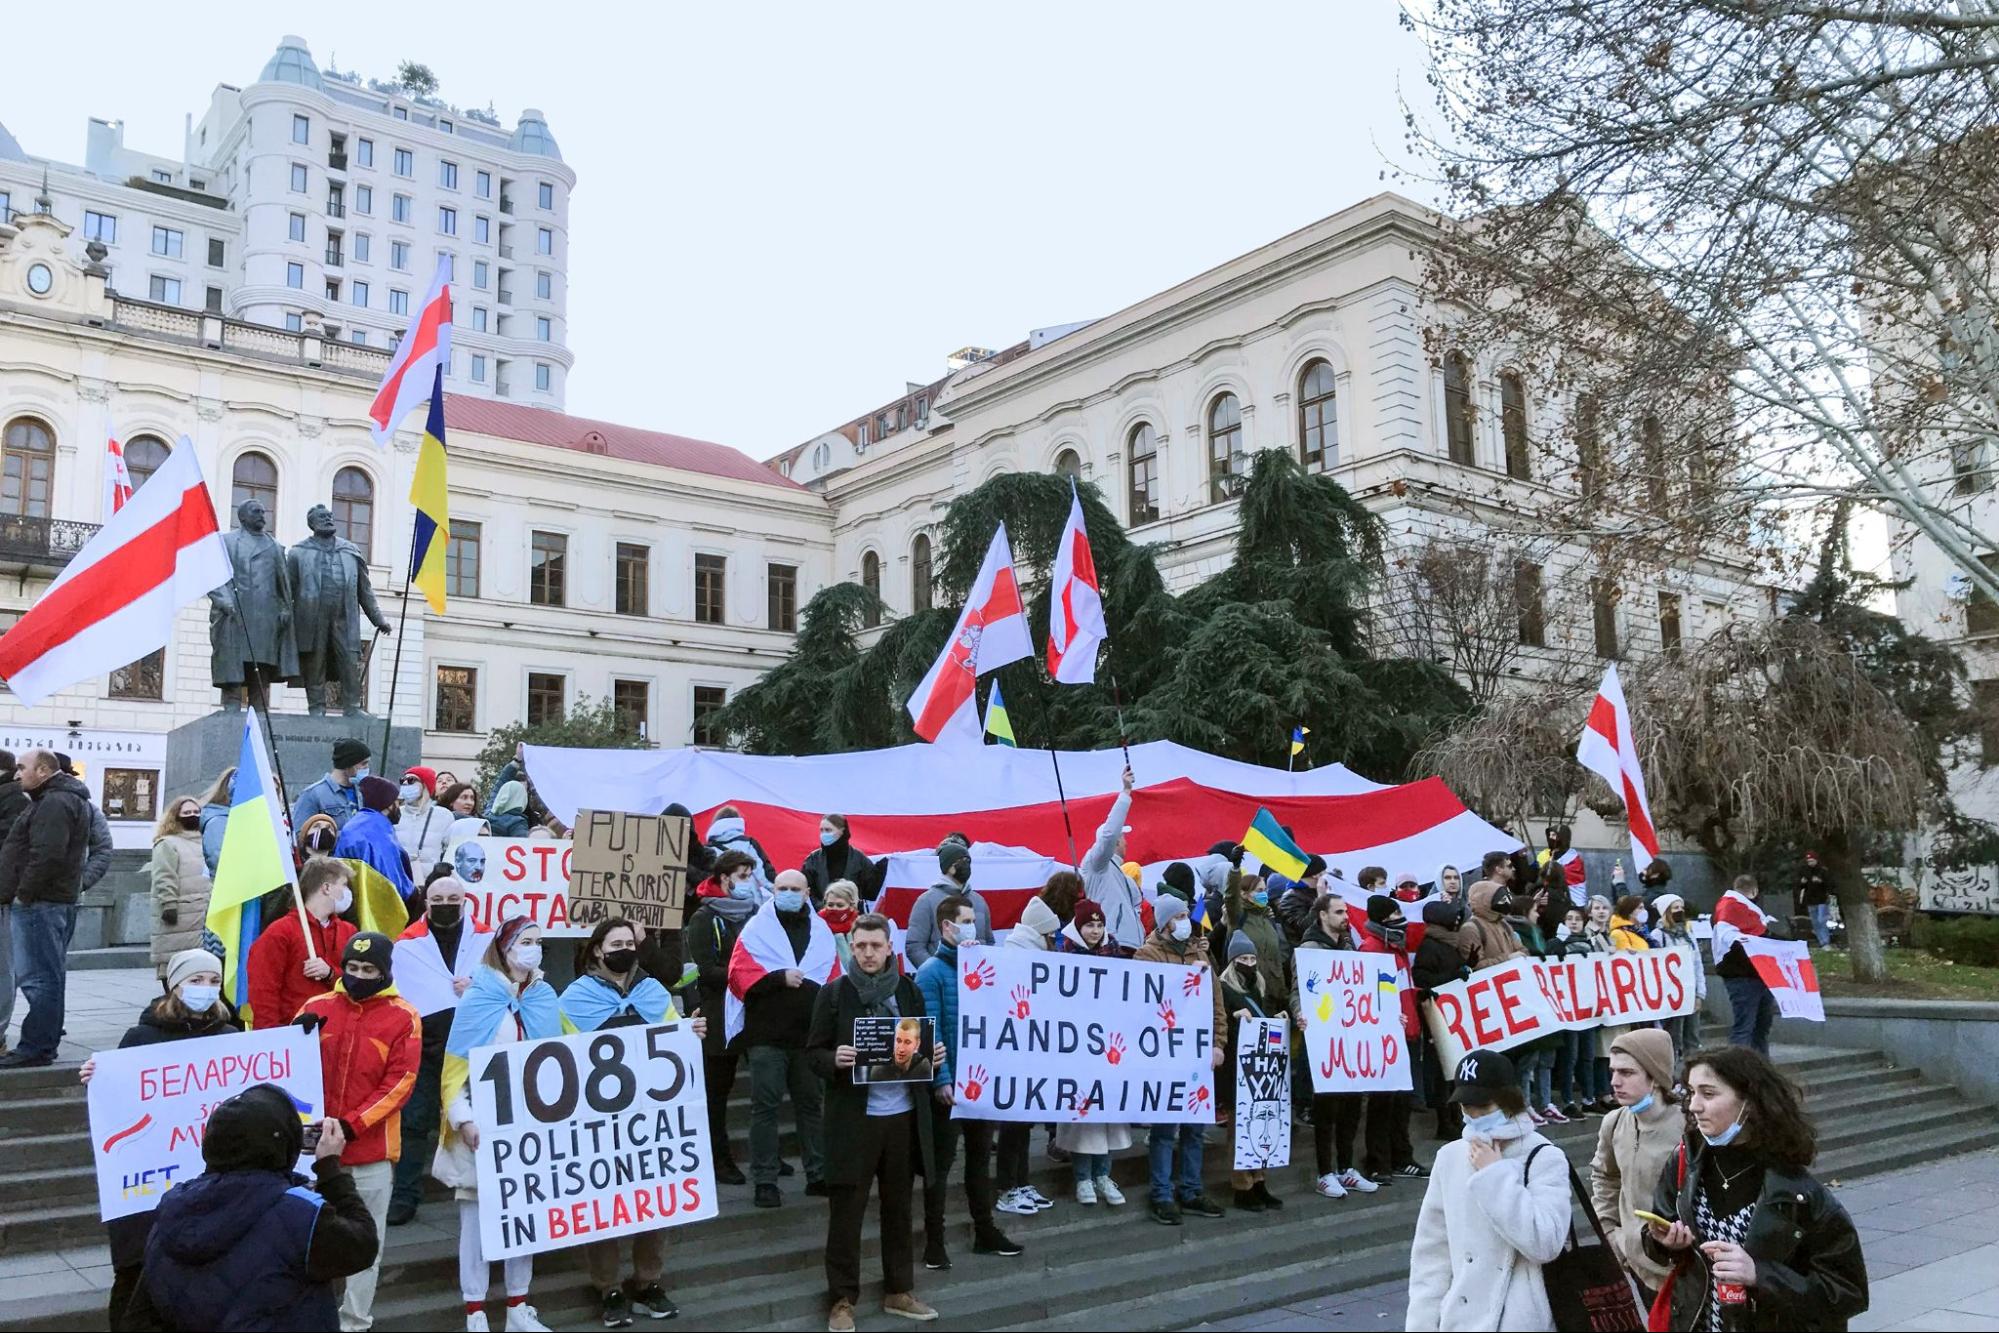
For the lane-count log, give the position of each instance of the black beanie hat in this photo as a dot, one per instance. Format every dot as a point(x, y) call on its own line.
point(369, 947)
point(348, 752)
point(1179, 877)
point(256, 1130)
point(1314, 865)
point(951, 854)
point(1381, 908)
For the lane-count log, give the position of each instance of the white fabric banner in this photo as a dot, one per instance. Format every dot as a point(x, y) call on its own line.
point(506, 877)
point(1786, 967)
point(424, 980)
point(590, 1137)
point(1069, 1038)
point(149, 1105)
point(1502, 1007)
point(1262, 1095)
point(995, 868)
point(1353, 1021)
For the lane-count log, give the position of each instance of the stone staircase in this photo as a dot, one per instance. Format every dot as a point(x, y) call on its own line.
point(1086, 1269)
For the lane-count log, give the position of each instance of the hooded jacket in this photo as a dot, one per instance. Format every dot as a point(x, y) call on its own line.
point(1482, 1236)
point(369, 1051)
point(278, 983)
point(937, 982)
point(1494, 942)
point(1437, 962)
point(920, 940)
point(728, 835)
point(1273, 951)
point(46, 851)
point(508, 812)
point(1038, 926)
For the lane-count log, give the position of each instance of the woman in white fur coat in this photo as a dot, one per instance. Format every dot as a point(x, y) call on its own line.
point(1489, 1221)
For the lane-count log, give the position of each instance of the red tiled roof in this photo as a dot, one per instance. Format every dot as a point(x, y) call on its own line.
point(536, 425)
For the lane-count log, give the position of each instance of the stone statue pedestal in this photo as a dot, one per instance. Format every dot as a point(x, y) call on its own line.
point(199, 751)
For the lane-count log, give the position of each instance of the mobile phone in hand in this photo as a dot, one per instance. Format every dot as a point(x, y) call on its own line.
point(312, 1133)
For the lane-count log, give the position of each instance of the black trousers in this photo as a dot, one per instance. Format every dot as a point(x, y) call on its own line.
point(1335, 1115)
point(1013, 1155)
point(718, 1070)
point(1388, 1146)
point(886, 1150)
point(979, 1192)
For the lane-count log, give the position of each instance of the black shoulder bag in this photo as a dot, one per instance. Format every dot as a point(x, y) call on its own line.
point(1588, 1289)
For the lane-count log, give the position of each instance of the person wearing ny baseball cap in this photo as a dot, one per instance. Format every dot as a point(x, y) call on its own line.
point(1497, 1208)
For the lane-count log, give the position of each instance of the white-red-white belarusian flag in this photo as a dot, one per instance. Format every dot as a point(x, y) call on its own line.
point(1607, 750)
point(991, 631)
point(117, 479)
point(763, 948)
point(116, 600)
point(1785, 966)
point(425, 347)
point(1075, 603)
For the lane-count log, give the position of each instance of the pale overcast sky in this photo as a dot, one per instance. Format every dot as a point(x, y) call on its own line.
point(784, 212)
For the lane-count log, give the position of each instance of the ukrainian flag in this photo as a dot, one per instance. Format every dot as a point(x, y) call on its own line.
point(254, 859)
point(1384, 983)
point(1265, 841)
point(1298, 735)
point(998, 725)
point(429, 495)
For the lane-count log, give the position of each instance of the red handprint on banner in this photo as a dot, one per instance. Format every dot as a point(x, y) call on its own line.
point(1191, 983)
point(1021, 998)
point(1083, 1109)
point(975, 1082)
point(981, 975)
point(1199, 1101)
point(1166, 1015)
point(1115, 1051)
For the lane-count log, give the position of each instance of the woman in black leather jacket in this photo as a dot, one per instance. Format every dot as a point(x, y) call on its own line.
point(1753, 1231)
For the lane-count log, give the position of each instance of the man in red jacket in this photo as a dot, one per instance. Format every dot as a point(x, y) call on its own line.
point(283, 975)
point(1390, 1156)
point(370, 1044)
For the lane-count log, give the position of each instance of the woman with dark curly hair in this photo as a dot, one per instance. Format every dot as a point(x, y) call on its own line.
point(1753, 1241)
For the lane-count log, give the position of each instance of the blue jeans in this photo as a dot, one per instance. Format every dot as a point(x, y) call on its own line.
point(41, 934)
point(1752, 1009)
point(1166, 1139)
point(1821, 922)
point(1090, 1166)
point(6, 971)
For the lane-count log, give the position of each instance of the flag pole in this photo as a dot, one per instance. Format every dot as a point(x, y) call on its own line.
point(1117, 703)
point(1075, 861)
point(285, 804)
point(396, 668)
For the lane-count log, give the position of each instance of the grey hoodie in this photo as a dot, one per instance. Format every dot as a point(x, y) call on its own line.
point(920, 941)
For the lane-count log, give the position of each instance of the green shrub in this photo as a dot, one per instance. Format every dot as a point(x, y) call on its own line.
point(1971, 940)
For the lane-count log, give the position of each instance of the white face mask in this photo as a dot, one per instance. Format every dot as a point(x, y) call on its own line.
point(1180, 928)
point(199, 999)
point(526, 957)
point(343, 898)
point(410, 791)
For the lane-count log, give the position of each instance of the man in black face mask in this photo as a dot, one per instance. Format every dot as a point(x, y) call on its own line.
point(442, 942)
point(1389, 1156)
point(370, 1044)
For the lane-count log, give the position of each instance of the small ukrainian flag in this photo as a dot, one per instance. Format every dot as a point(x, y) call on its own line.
point(1384, 983)
point(1265, 841)
point(1298, 735)
point(998, 725)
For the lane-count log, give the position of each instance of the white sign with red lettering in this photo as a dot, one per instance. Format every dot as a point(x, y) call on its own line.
point(506, 877)
point(149, 1105)
point(1353, 1021)
point(1502, 1007)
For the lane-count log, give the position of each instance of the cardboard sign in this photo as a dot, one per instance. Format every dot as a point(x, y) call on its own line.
point(149, 1106)
point(633, 866)
point(1353, 1021)
point(1262, 1095)
point(894, 1050)
point(1502, 1007)
point(506, 877)
point(1067, 1037)
point(590, 1137)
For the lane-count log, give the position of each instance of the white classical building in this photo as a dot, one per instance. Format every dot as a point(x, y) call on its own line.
point(314, 198)
point(587, 558)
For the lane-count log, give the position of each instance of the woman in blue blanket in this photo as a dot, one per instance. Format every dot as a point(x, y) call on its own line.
point(611, 992)
point(508, 1001)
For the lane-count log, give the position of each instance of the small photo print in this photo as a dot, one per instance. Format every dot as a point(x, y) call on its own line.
point(893, 1050)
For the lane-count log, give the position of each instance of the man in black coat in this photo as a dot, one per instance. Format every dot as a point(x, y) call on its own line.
point(13, 802)
point(874, 1132)
point(41, 875)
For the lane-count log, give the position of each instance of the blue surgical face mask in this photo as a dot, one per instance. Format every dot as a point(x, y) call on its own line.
point(199, 999)
point(1643, 1104)
point(1726, 1137)
point(1484, 1125)
point(360, 772)
point(744, 890)
point(1261, 898)
point(790, 900)
point(827, 839)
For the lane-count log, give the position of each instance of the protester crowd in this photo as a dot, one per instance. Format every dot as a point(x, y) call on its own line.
point(1700, 1182)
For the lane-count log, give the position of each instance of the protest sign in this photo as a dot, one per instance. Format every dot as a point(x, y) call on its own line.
point(1262, 1095)
point(1067, 1037)
point(633, 866)
point(888, 1049)
point(590, 1137)
point(1353, 1021)
point(1501, 1007)
point(506, 877)
point(1785, 966)
point(149, 1106)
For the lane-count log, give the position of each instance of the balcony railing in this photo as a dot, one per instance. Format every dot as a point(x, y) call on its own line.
point(335, 209)
point(336, 161)
point(506, 297)
point(506, 251)
point(506, 204)
point(333, 259)
point(44, 542)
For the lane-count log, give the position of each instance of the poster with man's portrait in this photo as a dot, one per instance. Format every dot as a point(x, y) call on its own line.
point(1262, 1095)
point(893, 1050)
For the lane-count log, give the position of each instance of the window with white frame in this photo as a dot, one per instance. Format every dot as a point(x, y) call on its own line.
point(301, 129)
point(547, 197)
point(364, 152)
point(542, 328)
point(480, 274)
point(478, 367)
point(295, 276)
point(399, 255)
point(447, 174)
point(544, 241)
point(165, 290)
point(478, 319)
point(544, 284)
point(542, 376)
point(301, 178)
point(167, 242)
point(363, 247)
point(399, 301)
point(295, 226)
point(400, 208)
point(405, 162)
point(359, 292)
point(482, 184)
point(294, 322)
point(364, 199)
point(100, 227)
point(482, 229)
point(447, 221)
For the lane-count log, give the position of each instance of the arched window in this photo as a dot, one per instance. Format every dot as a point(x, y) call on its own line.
point(1225, 458)
point(1458, 409)
point(143, 456)
point(30, 468)
point(919, 573)
point(1513, 423)
point(1142, 449)
point(1068, 464)
point(871, 579)
point(354, 508)
point(255, 478)
point(1318, 418)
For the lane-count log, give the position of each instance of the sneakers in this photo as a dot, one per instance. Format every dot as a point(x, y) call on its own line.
point(1108, 1191)
point(1538, 1119)
point(616, 1308)
point(1086, 1192)
point(1201, 1206)
point(1247, 1202)
point(1573, 1112)
point(785, 1168)
point(1263, 1196)
point(841, 1319)
point(1330, 1187)
point(1357, 1183)
point(475, 1322)
point(1017, 1203)
point(1058, 1153)
point(996, 1242)
point(905, 1304)
point(935, 1256)
point(524, 1318)
point(1037, 1198)
point(1165, 1214)
point(1411, 1171)
point(652, 1301)
point(1550, 1115)
point(767, 1197)
point(1382, 1177)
